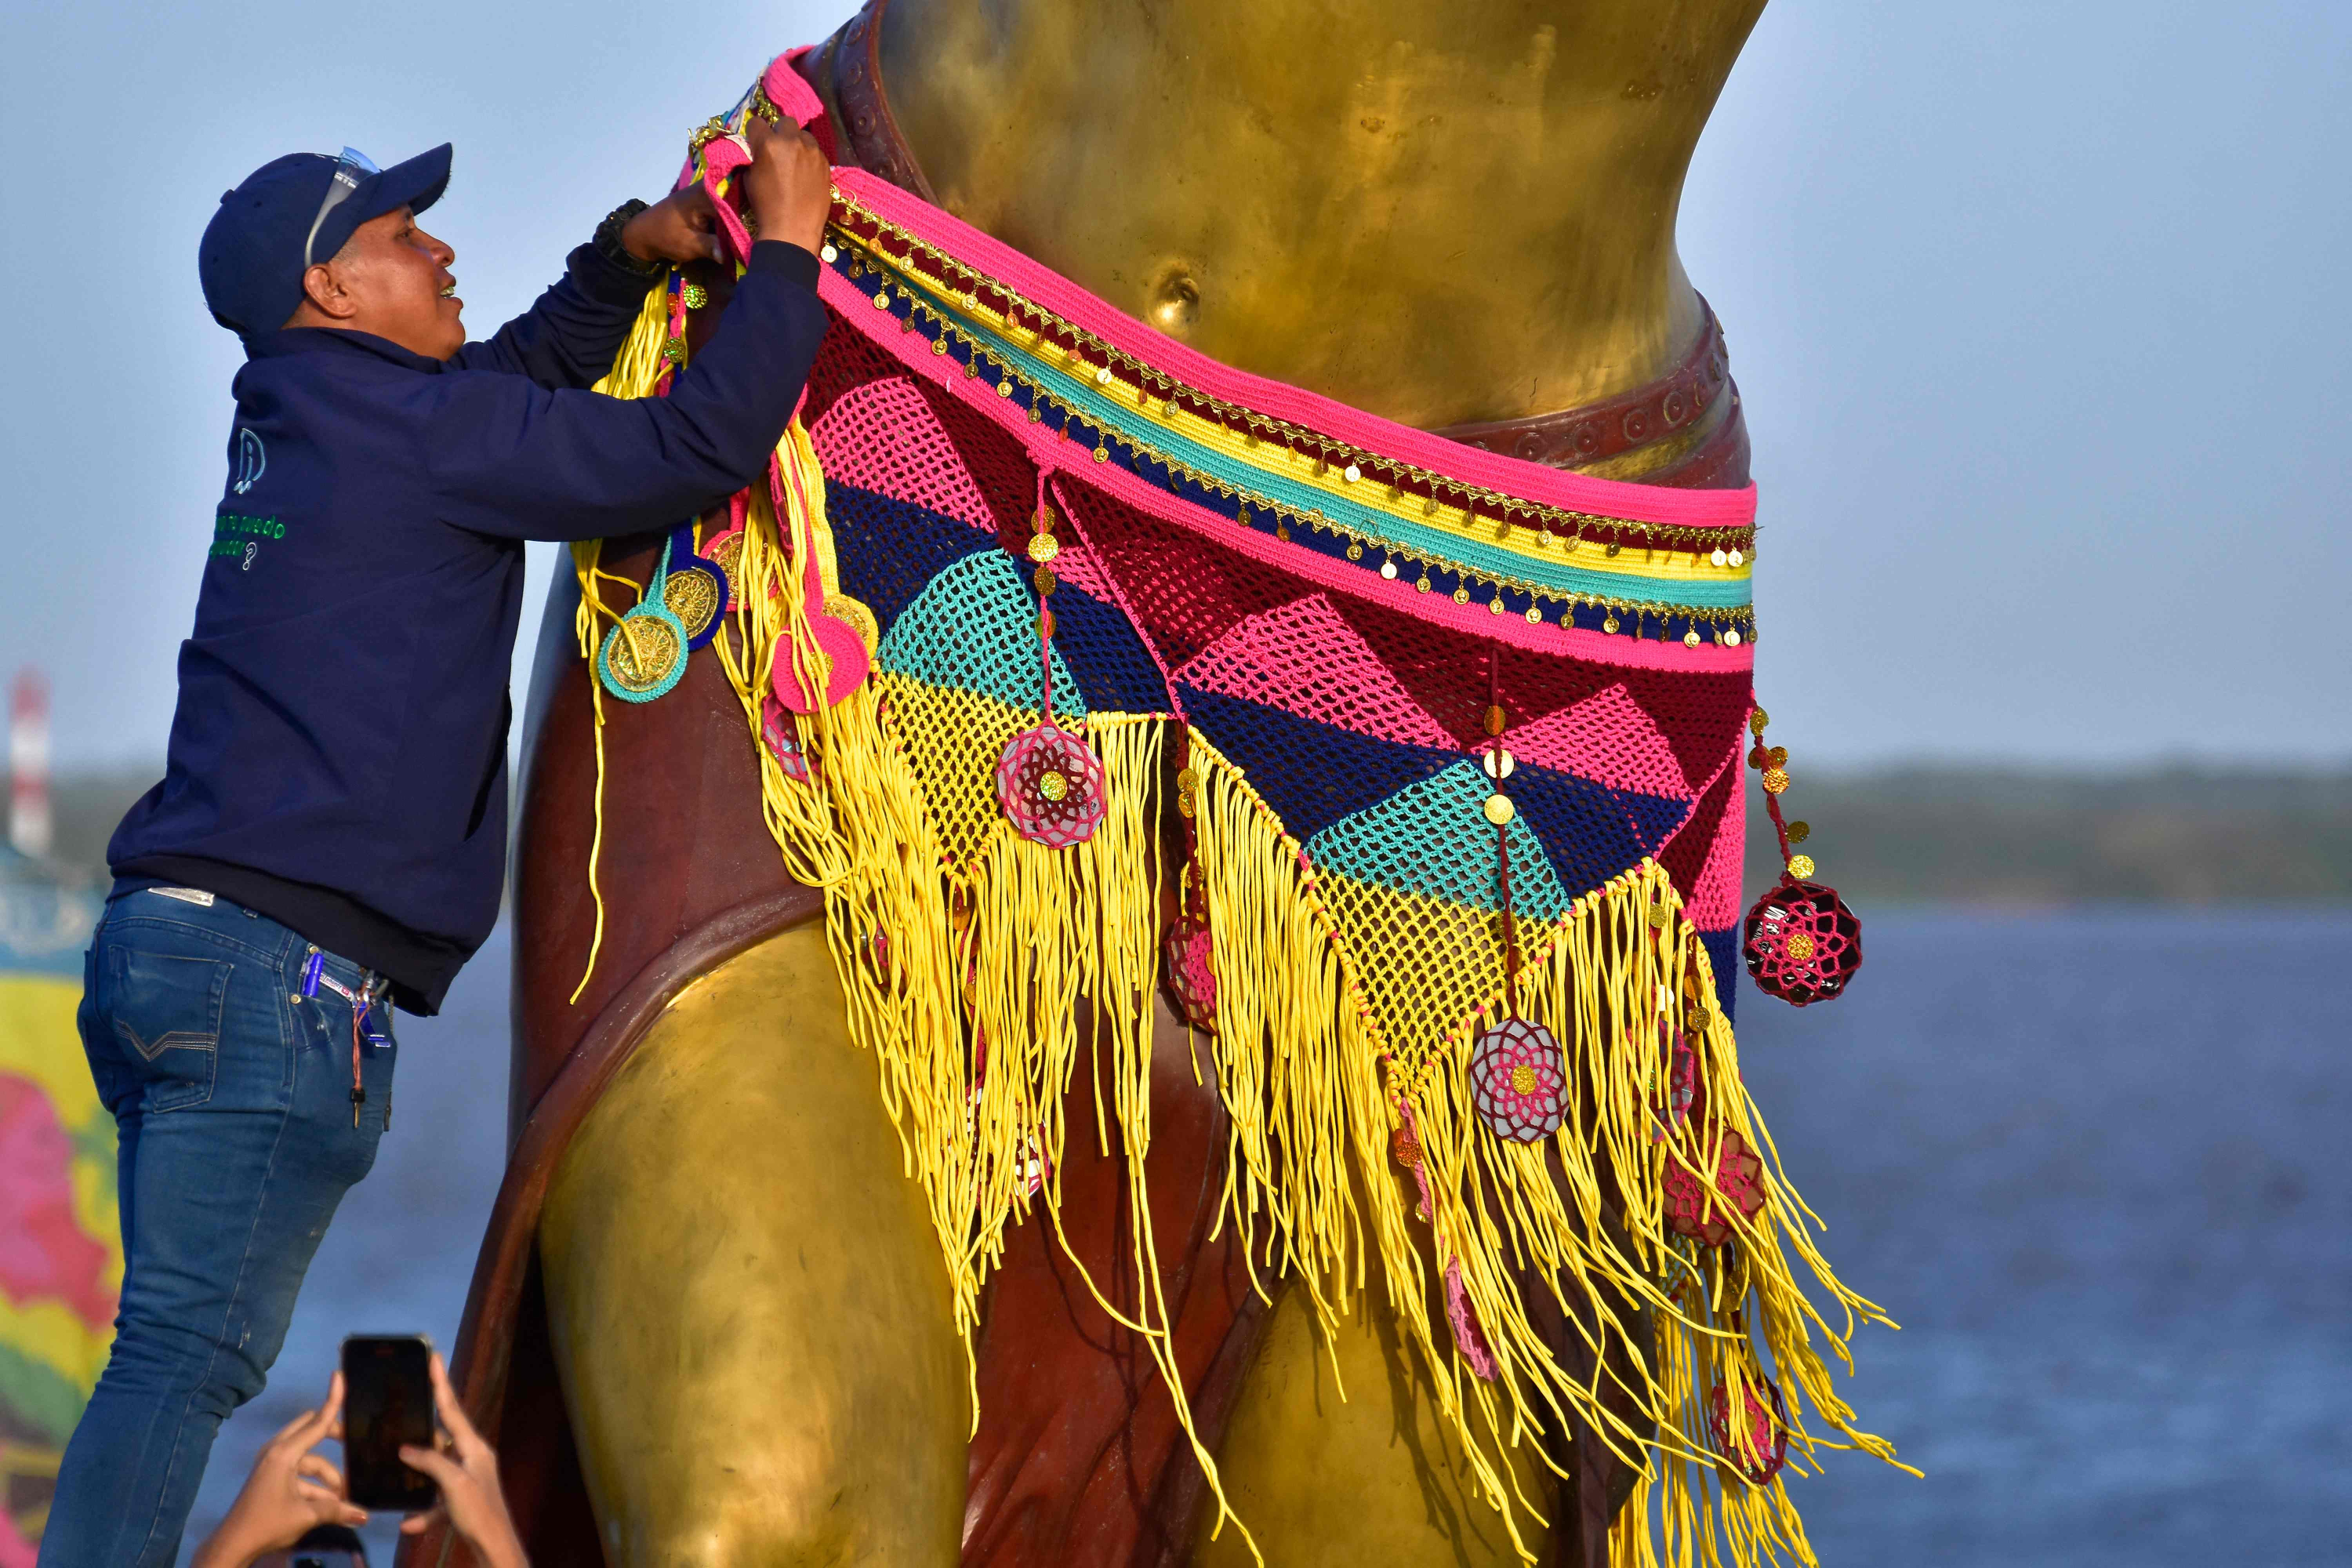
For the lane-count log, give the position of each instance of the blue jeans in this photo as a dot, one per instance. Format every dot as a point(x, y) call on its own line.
point(232, 1099)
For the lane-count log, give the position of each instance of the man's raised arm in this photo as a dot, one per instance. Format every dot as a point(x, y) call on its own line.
point(511, 458)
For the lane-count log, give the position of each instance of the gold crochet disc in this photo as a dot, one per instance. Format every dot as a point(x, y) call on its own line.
point(726, 555)
point(693, 596)
point(641, 653)
point(843, 607)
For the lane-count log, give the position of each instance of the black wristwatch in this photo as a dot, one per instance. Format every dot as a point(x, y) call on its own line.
point(608, 241)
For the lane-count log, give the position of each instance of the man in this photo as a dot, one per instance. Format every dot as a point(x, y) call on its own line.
point(329, 838)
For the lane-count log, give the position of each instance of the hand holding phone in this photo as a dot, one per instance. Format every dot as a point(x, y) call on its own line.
point(291, 1490)
point(467, 1474)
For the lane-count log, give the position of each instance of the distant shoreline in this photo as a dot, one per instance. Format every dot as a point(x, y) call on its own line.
point(2024, 838)
point(1995, 838)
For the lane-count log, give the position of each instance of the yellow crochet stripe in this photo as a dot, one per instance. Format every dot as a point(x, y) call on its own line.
point(993, 949)
point(1023, 320)
point(944, 286)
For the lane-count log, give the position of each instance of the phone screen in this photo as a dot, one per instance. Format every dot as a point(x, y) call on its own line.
point(387, 1401)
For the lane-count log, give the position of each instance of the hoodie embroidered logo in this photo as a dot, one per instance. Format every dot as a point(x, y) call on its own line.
point(251, 461)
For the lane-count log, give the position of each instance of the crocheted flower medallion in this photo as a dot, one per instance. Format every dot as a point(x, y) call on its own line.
point(1517, 1076)
point(1191, 978)
point(1051, 787)
point(1704, 1217)
point(1801, 943)
point(1765, 1437)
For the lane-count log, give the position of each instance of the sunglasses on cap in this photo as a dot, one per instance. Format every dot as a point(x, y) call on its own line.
point(350, 169)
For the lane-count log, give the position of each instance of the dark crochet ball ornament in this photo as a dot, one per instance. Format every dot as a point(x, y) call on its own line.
point(1801, 943)
point(1767, 1433)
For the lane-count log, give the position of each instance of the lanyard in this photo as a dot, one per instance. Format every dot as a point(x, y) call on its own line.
point(371, 988)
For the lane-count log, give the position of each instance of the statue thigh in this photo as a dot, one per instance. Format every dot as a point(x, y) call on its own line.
point(745, 1294)
point(1376, 1478)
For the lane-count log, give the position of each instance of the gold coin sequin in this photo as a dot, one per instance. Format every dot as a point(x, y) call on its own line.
point(1495, 605)
point(1608, 623)
point(1690, 637)
point(1800, 865)
point(1658, 917)
point(1756, 722)
point(1775, 780)
point(1045, 579)
point(1102, 453)
point(1003, 389)
point(881, 299)
point(1461, 595)
point(1043, 547)
point(1500, 809)
point(1799, 830)
point(1355, 553)
point(693, 296)
point(1800, 945)
point(1053, 787)
point(1535, 616)
point(1523, 1079)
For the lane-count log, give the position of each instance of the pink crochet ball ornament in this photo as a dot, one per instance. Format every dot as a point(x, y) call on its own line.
point(1801, 943)
point(781, 739)
point(1191, 978)
point(1051, 787)
point(1517, 1075)
point(1767, 1435)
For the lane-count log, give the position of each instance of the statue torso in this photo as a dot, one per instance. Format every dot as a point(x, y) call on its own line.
point(1437, 212)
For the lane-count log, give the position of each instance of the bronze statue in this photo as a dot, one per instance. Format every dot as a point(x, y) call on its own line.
point(708, 1325)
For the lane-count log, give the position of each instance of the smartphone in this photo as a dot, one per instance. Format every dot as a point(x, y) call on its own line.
point(387, 1401)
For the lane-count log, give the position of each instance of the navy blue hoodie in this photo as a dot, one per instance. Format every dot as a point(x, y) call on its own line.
point(338, 757)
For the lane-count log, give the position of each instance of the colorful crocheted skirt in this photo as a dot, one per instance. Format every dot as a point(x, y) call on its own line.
point(1436, 756)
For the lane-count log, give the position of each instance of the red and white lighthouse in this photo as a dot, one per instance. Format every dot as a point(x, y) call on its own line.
point(28, 763)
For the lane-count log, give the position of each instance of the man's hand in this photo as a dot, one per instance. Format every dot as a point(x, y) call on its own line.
point(788, 185)
point(290, 1491)
point(468, 1475)
point(680, 228)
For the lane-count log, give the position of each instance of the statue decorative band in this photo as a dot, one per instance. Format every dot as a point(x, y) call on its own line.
point(1280, 869)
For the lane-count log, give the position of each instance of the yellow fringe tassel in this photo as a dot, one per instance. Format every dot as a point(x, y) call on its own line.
point(973, 981)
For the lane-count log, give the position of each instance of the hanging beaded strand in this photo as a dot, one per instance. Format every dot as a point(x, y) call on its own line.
point(1519, 1079)
point(1800, 943)
point(1049, 783)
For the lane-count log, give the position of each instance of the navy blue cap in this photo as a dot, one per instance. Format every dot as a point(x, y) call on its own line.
point(250, 260)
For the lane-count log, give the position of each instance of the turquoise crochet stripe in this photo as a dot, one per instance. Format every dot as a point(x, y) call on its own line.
point(1433, 838)
point(1487, 560)
point(974, 626)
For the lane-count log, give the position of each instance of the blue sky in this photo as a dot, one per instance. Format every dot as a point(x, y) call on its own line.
point(2036, 310)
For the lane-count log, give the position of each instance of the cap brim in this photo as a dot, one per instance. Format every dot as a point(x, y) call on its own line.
point(414, 185)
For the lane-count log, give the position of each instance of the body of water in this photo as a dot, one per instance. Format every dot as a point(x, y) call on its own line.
point(2089, 1160)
